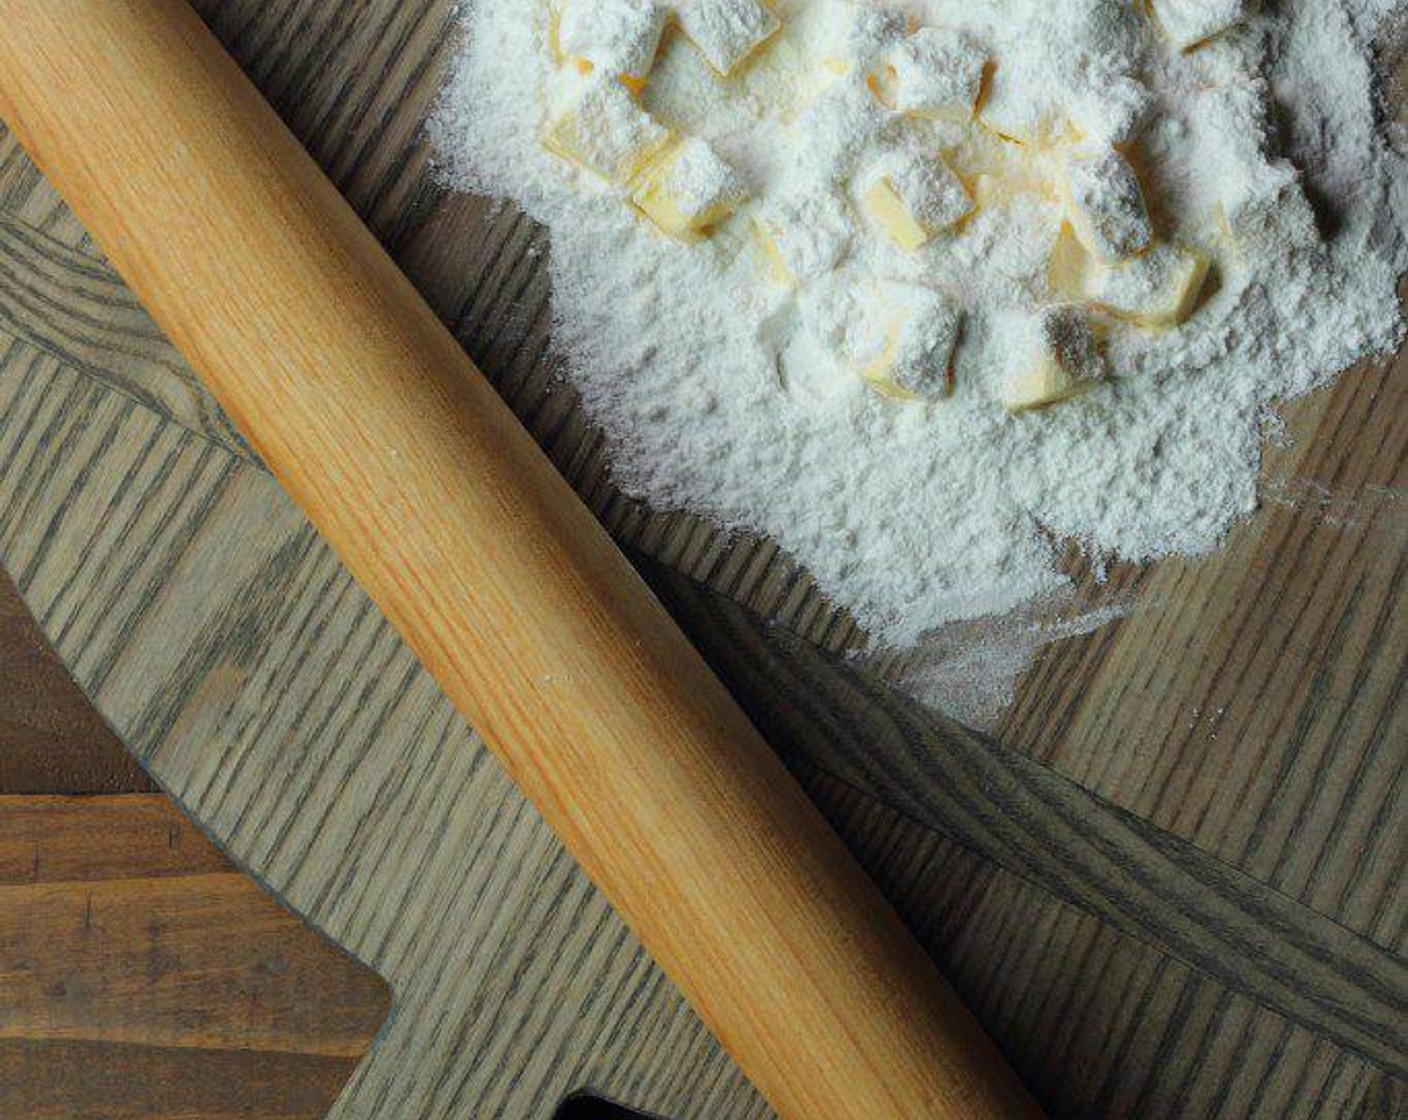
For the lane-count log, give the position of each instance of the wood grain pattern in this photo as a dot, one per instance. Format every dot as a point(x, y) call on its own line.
point(65, 839)
point(144, 704)
point(105, 322)
point(140, 533)
point(97, 1081)
point(517, 603)
point(824, 715)
point(141, 974)
point(51, 739)
point(166, 957)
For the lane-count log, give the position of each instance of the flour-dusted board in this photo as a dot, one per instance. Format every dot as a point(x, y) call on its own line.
point(1171, 888)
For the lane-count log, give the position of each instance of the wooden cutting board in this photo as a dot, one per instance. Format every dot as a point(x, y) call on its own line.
point(144, 976)
point(1170, 887)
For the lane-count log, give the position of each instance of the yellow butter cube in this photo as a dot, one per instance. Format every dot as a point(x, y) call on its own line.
point(998, 172)
point(913, 196)
point(1190, 23)
point(1269, 212)
point(688, 190)
point(1055, 357)
point(726, 31)
point(1018, 108)
point(934, 73)
point(803, 238)
point(903, 340)
point(885, 207)
point(777, 270)
point(1068, 272)
point(1105, 203)
point(618, 37)
point(600, 127)
point(1109, 108)
point(1263, 206)
point(852, 34)
point(1156, 290)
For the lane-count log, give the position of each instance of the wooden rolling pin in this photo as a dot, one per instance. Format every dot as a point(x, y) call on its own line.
point(401, 454)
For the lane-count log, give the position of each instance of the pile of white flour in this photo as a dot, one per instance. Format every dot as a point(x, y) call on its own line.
point(715, 398)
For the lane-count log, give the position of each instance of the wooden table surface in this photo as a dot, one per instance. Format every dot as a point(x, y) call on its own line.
point(1170, 883)
point(144, 975)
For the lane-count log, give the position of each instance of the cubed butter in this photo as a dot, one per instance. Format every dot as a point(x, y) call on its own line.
point(1156, 290)
point(1105, 203)
point(688, 190)
point(1110, 107)
point(934, 73)
point(903, 340)
point(1019, 108)
point(1055, 357)
point(913, 196)
point(851, 34)
point(620, 38)
point(726, 31)
point(1068, 273)
point(803, 238)
point(1262, 205)
point(1190, 23)
point(601, 127)
point(1267, 211)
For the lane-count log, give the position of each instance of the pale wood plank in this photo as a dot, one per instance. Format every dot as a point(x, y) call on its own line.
point(63, 301)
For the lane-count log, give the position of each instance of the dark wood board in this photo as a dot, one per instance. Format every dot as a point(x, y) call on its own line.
point(1234, 748)
point(51, 739)
point(141, 974)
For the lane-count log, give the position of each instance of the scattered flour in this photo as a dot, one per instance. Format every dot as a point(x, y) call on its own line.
point(969, 669)
point(717, 387)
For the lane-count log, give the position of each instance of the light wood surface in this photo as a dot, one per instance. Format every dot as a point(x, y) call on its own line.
point(375, 422)
point(271, 697)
